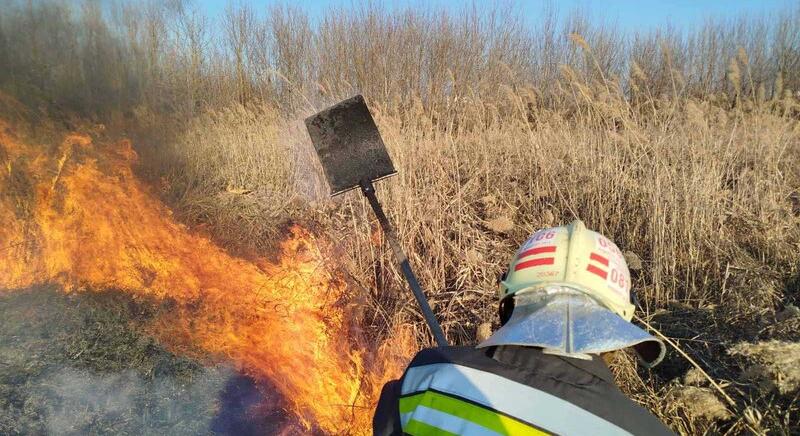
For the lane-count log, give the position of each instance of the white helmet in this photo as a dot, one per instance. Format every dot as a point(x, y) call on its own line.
point(568, 290)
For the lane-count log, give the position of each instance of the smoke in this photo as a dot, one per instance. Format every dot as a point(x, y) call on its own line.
point(79, 363)
point(76, 399)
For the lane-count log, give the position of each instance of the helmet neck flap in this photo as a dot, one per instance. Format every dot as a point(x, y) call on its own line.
point(565, 321)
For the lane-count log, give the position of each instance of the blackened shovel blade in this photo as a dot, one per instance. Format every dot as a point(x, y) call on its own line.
point(349, 145)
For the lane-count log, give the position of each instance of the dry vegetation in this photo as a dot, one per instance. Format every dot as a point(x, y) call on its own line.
point(680, 146)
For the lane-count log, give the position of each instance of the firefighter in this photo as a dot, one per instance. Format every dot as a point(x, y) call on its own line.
point(565, 300)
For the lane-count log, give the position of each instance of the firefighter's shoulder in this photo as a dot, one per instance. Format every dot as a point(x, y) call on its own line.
point(464, 390)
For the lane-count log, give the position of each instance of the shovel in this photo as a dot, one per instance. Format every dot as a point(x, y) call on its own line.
point(353, 155)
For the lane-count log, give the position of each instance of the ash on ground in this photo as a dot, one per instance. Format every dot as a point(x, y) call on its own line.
point(80, 363)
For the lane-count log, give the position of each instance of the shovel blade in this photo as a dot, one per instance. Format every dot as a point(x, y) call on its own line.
point(349, 145)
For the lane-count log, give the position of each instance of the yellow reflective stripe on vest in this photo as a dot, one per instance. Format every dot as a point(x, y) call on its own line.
point(524, 403)
point(426, 421)
point(461, 415)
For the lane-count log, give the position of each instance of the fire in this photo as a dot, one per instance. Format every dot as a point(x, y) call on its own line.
point(78, 217)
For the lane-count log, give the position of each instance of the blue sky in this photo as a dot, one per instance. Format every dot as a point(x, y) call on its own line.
point(630, 15)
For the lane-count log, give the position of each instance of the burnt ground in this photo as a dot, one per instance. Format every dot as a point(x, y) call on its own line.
point(80, 363)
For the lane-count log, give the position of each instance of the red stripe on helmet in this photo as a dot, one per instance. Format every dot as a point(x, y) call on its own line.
point(599, 258)
point(535, 262)
point(597, 271)
point(537, 250)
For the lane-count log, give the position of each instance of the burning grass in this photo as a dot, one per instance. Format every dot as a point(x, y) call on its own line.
point(707, 211)
point(88, 223)
point(683, 149)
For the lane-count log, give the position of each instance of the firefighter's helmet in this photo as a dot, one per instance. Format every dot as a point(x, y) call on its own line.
point(568, 290)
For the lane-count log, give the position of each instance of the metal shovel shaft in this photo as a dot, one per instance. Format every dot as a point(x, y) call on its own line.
point(369, 191)
point(352, 153)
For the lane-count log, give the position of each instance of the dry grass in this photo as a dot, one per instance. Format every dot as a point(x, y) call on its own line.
point(775, 364)
point(232, 173)
point(701, 194)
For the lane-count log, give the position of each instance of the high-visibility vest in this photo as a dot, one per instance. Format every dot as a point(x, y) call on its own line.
point(459, 390)
point(459, 399)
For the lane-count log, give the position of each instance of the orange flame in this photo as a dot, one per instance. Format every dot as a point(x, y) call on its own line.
point(82, 220)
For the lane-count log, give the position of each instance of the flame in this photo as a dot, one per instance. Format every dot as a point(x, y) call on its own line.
point(77, 216)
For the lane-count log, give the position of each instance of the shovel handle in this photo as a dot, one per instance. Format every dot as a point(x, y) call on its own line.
point(369, 191)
